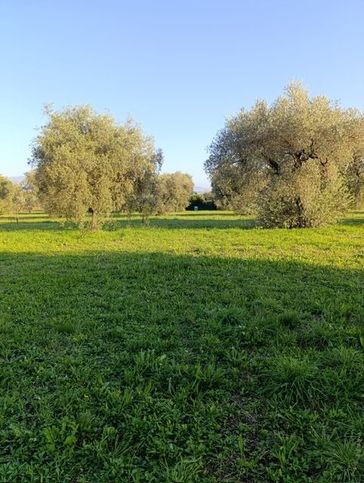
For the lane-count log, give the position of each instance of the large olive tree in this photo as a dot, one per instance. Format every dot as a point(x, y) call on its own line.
point(86, 163)
point(291, 162)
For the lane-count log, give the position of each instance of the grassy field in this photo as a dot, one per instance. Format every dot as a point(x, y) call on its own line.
point(198, 349)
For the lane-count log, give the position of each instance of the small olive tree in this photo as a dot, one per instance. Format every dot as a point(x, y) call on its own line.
point(30, 193)
point(144, 196)
point(86, 163)
point(290, 162)
point(174, 191)
point(7, 191)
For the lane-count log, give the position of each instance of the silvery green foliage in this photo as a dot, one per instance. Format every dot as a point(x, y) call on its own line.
point(86, 163)
point(6, 188)
point(291, 162)
point(12, 196)
point(174, 191)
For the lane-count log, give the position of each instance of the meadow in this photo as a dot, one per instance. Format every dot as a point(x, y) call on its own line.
point(197, 349)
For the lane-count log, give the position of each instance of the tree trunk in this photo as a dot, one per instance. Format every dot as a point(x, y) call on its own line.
point(94, 221)
point(145, 219)
point(300, 212)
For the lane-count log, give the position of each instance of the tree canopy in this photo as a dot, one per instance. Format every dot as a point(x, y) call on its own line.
point(86, 163)
point(174, 191)
point(297, 162)
point(6, 194)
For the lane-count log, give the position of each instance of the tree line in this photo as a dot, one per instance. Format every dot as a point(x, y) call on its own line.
point(298, 162)
point(19, 197)
point(86, 166)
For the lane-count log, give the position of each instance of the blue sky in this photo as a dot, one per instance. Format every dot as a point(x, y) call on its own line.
point(178, 67)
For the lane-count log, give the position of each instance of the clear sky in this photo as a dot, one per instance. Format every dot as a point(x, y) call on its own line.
point(178, 67)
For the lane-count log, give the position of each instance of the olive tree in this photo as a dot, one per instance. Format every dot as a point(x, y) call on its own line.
point(30, 193)
point(86, 163)
point(144, 196)
point(355, 180)
point(290, 161)
point(174, 191)
point(7, 192)
point(18, 197)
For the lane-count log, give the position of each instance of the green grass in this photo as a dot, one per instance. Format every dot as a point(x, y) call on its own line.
point(198, 349)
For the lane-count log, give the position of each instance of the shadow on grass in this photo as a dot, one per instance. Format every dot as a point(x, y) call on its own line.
point(117, 223)
point(185, 220)
point(201, 276)
point(357, 219)
point(31, 225)
point(207, 213)
point(188, 223)
point(23, 216)
point(125, 364)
